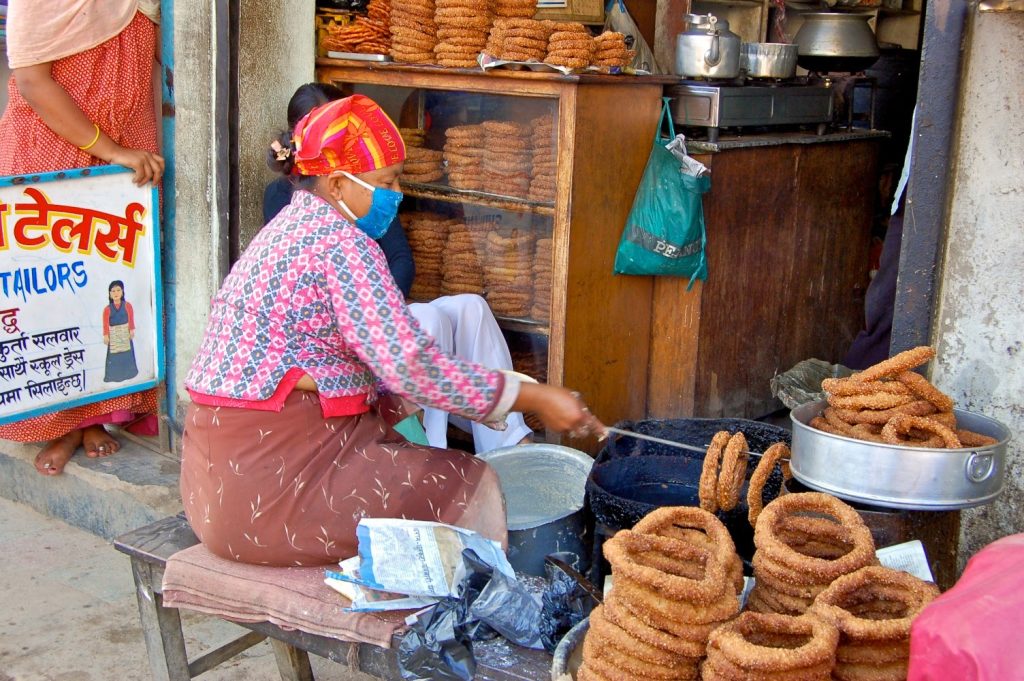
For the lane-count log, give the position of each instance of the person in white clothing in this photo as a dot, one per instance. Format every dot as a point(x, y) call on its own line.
point(464, 326)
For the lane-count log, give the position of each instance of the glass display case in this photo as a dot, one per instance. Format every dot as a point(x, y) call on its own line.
point(517, 186)
point(479, 183)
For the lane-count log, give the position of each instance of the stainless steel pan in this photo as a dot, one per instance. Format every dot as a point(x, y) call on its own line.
point(896, 476)
point(768, 60)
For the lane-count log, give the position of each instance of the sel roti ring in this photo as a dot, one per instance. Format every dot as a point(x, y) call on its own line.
point(861, 554)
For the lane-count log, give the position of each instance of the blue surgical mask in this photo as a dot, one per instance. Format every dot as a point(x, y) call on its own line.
point(383, 209)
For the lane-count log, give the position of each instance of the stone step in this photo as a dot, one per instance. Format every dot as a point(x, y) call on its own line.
point(106, 496)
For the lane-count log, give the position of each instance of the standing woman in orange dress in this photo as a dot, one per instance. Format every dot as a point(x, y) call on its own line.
point(81, 94)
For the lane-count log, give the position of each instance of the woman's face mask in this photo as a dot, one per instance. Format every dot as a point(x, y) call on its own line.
point(383, 208)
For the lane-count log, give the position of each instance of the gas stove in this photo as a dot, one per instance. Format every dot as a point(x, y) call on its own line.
point(750, 103)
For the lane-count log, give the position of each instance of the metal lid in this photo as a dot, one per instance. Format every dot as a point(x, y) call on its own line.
point(541, 482)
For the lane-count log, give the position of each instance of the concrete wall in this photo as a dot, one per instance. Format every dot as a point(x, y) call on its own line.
point(200, 255)
point(276, 55)
point(980, 319)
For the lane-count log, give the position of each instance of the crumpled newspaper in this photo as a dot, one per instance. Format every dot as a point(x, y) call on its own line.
point(802, 383)
point(689, 165)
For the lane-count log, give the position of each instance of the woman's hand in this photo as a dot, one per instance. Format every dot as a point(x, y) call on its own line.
point(561, 410)
point(106, 339)
point(148, 167)
point(61, 113)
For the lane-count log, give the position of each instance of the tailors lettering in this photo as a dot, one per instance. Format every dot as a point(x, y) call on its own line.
point(67, 228)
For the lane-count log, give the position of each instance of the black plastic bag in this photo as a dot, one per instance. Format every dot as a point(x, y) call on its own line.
point(506, 606)
point(440, 644)
point(568, 598)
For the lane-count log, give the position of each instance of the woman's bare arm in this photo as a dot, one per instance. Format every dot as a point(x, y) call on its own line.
point(60, 113)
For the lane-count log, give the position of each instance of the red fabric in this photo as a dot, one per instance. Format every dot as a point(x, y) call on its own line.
point(113, 84)
point(332, 406)
point(972, 632)
point(351, 134)
point(135, 412)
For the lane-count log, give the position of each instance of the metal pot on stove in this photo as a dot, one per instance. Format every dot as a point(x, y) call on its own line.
point(708, 49)
point(836, 41)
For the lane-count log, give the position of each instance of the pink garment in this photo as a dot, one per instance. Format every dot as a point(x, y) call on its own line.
point(331, 406)
point(40, 31)
point(313, 292)
point(972, 632)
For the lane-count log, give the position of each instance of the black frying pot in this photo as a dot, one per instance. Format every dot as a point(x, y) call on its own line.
point(631, 477)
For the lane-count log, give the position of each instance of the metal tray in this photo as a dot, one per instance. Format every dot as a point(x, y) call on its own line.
point(568, 655)
point(359, 56)
point(896, 476)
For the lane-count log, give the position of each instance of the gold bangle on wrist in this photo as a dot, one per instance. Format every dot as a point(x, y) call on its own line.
point(95, 139)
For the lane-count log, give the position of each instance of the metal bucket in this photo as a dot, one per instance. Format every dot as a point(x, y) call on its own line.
point(568, 654)
point(544, 487)
point(897, 476)
point(768, 60)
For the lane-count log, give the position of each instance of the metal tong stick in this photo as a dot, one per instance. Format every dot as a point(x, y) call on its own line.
point(662, 441)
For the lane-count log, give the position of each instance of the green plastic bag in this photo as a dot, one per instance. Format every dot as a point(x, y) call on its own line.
point(665, 232)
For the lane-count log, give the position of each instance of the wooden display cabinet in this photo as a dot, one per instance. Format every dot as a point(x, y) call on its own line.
point(596, 336)
point(586, 11)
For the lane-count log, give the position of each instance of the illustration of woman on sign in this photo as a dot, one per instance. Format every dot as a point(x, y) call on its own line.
point(119, 335)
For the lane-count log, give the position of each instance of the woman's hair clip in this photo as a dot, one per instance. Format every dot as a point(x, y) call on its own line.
point(281, 153)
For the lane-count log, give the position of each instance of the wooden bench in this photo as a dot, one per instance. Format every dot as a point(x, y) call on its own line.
point(149, 548)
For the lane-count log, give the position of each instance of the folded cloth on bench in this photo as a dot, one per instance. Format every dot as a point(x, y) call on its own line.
point(289, 597)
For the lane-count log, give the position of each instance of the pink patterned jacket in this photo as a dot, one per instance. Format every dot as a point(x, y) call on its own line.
point(312, 293)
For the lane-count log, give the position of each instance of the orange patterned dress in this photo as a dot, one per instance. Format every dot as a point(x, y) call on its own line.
point(113, 85)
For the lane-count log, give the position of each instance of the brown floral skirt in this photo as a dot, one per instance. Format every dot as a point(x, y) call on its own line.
point(289, 487)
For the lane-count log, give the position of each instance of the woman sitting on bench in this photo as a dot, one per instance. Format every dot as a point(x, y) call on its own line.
point(284, 451)
point(462, 325)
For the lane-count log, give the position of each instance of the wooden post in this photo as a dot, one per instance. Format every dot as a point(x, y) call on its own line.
point(292, 663)
point(161, 628)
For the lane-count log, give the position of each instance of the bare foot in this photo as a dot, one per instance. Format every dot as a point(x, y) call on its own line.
point(56, 453)
point(98, 442)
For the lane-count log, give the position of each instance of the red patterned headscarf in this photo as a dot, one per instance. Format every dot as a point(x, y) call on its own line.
point(351, 134)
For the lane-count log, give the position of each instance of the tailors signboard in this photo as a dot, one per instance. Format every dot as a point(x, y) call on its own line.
point(80, 296)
